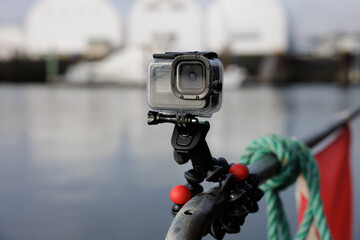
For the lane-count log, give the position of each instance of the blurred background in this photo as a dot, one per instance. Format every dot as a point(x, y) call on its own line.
point(77, 159)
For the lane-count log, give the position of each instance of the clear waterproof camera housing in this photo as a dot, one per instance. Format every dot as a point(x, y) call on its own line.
point(185, 83)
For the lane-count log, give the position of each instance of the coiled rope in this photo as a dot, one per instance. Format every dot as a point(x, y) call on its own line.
point(295, 159)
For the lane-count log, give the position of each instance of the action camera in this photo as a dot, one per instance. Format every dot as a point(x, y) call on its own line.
point(185, 83)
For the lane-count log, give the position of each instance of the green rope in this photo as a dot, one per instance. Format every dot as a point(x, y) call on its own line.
point(295, 158)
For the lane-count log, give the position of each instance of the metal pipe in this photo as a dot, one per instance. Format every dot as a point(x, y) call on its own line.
point(266, 168)
point(317, 137)
point(194, 217)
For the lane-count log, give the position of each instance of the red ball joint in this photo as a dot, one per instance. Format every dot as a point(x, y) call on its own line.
point(180, 194)
point(240, 171)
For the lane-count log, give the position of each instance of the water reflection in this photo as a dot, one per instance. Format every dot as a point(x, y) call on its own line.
point(81, 163)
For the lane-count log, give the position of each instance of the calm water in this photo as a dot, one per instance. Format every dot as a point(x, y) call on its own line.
point(81, 163)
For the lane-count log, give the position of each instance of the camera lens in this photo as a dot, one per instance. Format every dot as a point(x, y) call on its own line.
point(190, 78)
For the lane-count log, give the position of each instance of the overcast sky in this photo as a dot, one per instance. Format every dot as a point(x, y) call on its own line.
point(308, 17)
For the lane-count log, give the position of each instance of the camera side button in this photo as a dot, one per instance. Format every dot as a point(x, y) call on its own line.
point(217, 86)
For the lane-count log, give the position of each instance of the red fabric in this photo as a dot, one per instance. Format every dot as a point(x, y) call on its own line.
point(302, 207)
point(335, 179)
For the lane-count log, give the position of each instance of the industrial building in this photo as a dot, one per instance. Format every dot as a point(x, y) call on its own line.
point(152, 26)
point(88, 41)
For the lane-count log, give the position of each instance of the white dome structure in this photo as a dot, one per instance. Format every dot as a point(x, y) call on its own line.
point(247, 27)
point(68, 26)
point(165, 25)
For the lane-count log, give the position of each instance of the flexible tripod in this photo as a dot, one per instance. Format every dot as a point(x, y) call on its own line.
point(240, 193)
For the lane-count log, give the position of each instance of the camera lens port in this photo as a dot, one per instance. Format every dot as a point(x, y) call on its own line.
point(190, 78)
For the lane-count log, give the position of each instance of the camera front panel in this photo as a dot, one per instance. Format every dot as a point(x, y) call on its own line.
point(160, 94)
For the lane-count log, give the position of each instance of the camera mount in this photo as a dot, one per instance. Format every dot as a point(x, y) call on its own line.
point(155, 118)
point(188, 141)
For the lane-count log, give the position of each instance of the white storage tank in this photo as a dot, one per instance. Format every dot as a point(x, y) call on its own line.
point(71, 26)
point(165, 25)
point(247, 27)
